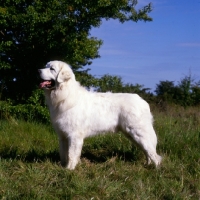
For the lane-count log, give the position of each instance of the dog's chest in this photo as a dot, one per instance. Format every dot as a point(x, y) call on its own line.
point(65, 121)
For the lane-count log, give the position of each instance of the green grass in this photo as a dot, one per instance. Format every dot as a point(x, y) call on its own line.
point(111, 167)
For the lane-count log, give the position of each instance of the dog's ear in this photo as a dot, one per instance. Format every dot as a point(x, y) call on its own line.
point(64, 75)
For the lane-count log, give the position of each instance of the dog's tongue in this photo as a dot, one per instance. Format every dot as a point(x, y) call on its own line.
point(45, 84)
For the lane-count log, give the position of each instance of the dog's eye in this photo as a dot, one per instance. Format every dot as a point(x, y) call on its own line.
point(52, 68)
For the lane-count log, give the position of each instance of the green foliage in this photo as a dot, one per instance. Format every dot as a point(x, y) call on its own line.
point(165, 89)
point(35, 32)
point(108, 83)
point(195, 93)
point(34, 107)
point(33, 110)
point(185, 93)
point(110, 168)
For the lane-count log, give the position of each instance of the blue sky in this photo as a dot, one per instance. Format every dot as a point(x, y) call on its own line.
point(146, 53)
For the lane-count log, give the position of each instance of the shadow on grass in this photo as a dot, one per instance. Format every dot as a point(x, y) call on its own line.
point(95, 156)
point(30, 156)
point(99, 157)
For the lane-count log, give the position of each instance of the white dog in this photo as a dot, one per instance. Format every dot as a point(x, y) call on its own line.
point(77, 113)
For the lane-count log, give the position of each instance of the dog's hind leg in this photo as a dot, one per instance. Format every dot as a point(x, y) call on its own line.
point(147, 141)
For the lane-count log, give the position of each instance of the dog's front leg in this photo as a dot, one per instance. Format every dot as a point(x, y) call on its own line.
point(63, 150)
point(74, 152)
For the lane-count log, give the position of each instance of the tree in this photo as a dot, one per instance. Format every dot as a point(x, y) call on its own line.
point(35, 32)
point(165, 90)
point(185, 93)
point(196, 93)
point(108, 83)
point(114, 84)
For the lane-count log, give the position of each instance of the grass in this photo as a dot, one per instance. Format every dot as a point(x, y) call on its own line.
point(111, 167)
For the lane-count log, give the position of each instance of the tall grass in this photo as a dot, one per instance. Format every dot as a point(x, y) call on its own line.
point(111, 167)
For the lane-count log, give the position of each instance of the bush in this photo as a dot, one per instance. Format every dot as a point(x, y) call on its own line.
point(33, 110)
point(185, 93)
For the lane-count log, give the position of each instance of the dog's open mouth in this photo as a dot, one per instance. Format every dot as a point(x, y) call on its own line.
point(47, 84)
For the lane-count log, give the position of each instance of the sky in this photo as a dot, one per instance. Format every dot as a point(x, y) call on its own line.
point(145, 53)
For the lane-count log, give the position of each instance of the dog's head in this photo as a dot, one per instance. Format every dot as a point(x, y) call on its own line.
point(55, 73)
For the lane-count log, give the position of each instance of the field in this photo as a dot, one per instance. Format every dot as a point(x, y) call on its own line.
point(111, 167)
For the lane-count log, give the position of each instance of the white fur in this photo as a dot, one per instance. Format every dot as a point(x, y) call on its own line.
point(77, 113)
